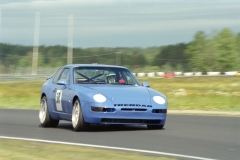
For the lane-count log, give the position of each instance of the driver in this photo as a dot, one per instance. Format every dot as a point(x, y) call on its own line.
point(111, 78)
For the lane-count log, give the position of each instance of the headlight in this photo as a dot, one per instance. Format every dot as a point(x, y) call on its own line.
point(159, 99)
point(99, 98)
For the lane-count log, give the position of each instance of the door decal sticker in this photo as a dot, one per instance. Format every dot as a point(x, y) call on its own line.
point(59, 100)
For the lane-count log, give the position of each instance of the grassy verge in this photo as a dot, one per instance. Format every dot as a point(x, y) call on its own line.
point(23, 94)
point(25, 150)
point(198, 93)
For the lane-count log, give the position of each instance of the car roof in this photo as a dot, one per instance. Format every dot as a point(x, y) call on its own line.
point(93, 65)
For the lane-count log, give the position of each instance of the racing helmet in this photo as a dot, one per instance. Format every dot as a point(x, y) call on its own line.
point(111, 78)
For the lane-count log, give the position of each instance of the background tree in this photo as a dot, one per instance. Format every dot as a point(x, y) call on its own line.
point(238, 50)
point(218, 51)
point(225, 44)
point(195, 51)
point(172, 56)
point(25, 61)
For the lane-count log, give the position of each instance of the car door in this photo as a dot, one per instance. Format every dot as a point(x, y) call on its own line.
point(61, 94)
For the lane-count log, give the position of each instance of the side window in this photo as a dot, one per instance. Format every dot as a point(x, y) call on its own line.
point(66, 75)
point(57, 75)
point(128, 77)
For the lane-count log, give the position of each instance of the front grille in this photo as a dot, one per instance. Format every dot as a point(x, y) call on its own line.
point(133, 109)
point(142, 121)
point(132, 105)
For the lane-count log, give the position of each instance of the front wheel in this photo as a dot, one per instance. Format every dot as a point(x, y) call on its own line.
point(77, 117)
point(44, 117)
point(155, 126)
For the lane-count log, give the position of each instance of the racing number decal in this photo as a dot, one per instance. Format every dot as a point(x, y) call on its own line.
point(59, 100)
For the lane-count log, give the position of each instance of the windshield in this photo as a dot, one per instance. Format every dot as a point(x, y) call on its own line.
point(103, 75)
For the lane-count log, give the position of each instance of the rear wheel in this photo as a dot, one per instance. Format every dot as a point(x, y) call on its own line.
point(77, 117)
point(155, 126)
point(44, 117)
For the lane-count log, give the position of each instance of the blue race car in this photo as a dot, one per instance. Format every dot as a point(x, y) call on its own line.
point(88, 94)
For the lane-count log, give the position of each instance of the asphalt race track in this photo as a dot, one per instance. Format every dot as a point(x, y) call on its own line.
point(213, 137)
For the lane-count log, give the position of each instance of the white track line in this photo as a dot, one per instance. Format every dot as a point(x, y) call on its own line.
point(107, 147)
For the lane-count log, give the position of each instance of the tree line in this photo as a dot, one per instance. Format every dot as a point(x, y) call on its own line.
point(218, 51)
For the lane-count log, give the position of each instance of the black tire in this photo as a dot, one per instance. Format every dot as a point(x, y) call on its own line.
point(44, 117)
point(77, 117)
point(155, 126)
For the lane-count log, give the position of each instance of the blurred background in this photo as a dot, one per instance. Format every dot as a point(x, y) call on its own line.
point(39, 36)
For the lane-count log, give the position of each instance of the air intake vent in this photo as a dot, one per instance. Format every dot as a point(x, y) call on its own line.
point(134, 109)
point(140, 121)
point(159, 111)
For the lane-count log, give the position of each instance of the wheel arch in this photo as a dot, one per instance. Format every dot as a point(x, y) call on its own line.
point(50, 109)
point(81, 106)
point(81, 125)
point(48, 121)
point(42, 95)
point(74, 99)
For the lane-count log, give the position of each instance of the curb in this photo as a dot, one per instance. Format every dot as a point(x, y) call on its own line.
point(186, 74)
point(200, 112)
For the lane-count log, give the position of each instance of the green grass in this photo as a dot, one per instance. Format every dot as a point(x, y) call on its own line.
point(198, 93)
point(23, 94)
point(26, 150)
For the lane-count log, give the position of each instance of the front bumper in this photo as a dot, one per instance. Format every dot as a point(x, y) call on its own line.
point(97, 114)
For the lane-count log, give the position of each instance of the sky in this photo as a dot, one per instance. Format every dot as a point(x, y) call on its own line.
point(113, 23)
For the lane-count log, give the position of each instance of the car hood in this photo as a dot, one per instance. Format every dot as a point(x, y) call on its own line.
point(124, 94)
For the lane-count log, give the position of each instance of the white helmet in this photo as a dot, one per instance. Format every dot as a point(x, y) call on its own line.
point(111, 78)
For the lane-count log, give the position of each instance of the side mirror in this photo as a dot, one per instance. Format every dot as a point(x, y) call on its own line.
point(145, 84)
point(62, 82)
